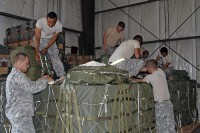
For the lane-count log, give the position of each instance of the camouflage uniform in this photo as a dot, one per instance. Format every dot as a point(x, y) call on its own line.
point(164, 117)
point(22, 125)
point(111, 50)
point(53, 55)
point(133, 66)
point(19, 95)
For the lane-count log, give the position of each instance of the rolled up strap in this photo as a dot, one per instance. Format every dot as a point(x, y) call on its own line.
point(116, 62)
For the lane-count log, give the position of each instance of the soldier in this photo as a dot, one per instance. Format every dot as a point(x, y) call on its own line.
point(163, 107)
point(167, 65)
point(46, 32)
point(121, 58)
point(112, 37)
point(145, 55)
point(19, 95)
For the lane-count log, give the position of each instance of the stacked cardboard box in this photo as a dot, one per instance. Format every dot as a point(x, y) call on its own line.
point(75, 60)
point(23, 35)
point(20, 35)
point(4, 63)
point(4, 60)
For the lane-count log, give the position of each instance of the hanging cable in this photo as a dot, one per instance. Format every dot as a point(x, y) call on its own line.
point(157, 37)
point(134, 20)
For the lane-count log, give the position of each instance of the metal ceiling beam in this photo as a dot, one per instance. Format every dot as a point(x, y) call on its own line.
point(167, 40)
point(71, 30)
point(28, 19)
point(136, 4)
point(14, 16)
point(172, 39)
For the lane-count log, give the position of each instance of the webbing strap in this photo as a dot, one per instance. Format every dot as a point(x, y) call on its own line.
point(94, 118)
point(123, 106)
point(68, 97)
point(118, 97)
point(70, 110)
point(68, 107)
point(138, 109)
point(113, 110)
point(127, 106)
point(120, 108)
point(58, 111)
point(7, 127)
point(77, 110)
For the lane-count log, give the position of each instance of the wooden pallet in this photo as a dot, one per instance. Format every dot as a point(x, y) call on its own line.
point(189, 128)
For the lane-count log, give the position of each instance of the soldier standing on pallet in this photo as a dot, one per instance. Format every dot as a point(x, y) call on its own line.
point(121, 58)
point(19, 95)
point(46, 32)
point(163, 107)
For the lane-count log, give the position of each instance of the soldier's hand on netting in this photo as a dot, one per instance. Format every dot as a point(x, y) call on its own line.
point(47, 77)
point(37, 57)
point(44, 51)
point(133, 81)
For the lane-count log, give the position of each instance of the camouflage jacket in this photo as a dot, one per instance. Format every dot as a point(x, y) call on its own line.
point(19, 94)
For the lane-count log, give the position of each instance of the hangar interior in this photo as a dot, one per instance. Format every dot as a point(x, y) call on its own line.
point(174, 24)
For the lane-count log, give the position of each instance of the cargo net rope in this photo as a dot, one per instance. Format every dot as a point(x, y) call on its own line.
point(79, 106)
point(96, 108)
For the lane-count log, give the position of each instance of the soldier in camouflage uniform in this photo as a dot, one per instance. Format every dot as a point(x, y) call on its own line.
point(121, 58)
point(163, 107)
point(19, 95)
point(46, 32)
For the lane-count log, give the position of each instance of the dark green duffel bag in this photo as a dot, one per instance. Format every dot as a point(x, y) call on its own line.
point(35, 69)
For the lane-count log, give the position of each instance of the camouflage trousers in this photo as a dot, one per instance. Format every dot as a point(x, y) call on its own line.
point(111, 50)
point(133, 66)
point(164, 117)
point(52, 53)
point(168, 72)
point(22, 125)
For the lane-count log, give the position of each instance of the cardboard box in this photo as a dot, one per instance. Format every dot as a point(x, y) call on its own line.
point(79, 59)
point(21, 43)
point(4, 56)
point(3, 70)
